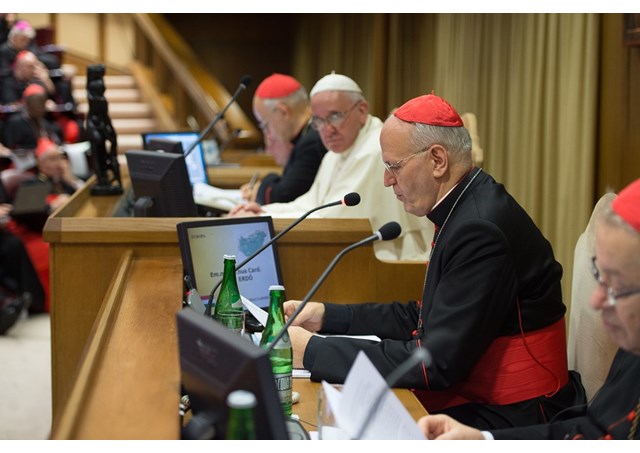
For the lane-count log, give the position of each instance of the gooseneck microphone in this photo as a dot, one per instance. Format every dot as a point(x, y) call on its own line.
point(244, 82)
point(387, 232)
point(350, 199)
point(419, 355)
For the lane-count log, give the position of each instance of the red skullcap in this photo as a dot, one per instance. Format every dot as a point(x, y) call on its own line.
point(627, 204)
point(429, 109)
point(22, 54)
point(277, 86)
point(32, 90)
point(44, 144)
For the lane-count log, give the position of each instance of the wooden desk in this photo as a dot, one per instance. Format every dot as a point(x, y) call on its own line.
point(87, 247)
point(128, 384)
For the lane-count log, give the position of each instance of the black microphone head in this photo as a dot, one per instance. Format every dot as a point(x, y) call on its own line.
point(389, 231)
point(351, 199)
point(245, 80)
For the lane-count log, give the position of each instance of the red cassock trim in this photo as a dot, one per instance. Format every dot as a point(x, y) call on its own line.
point(513, 369)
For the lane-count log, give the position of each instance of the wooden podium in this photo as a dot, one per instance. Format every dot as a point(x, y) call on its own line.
point(115, 288)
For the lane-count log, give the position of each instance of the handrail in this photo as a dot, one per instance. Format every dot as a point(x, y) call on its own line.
point(188, 88)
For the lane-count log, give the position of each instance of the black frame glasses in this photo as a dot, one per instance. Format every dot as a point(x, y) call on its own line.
point(612, 297)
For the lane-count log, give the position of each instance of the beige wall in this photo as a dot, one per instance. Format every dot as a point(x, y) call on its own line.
point(80, 34)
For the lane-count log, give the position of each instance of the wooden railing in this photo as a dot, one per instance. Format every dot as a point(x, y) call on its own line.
point(185, 89)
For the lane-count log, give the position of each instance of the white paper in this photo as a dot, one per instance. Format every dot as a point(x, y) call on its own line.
point(256, 311)
point(391, 419)
point(214, 197)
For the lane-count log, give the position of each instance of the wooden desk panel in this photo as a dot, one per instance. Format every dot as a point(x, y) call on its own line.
point(128, 384)
point(86, 249)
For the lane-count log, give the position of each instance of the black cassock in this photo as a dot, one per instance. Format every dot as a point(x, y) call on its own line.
point(489, 255)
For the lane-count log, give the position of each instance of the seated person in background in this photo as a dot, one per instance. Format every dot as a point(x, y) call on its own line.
point(351, 134)
point(17, 274)
point(21, 37)
point(27, 69)
point(614, 412)
point(281, 105)
point(491, 312)
point(59, 104)
point(23, 129)
point(54, 171)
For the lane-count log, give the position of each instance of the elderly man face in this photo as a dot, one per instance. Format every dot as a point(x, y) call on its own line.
point(617, 266)
point(338, 116)
point(25, 67)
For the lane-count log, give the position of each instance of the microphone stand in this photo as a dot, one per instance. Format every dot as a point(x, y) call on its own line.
point(243, 84)
point(317, 284)
point(274, 239)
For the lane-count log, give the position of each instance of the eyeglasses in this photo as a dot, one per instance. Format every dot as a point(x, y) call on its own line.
point(612, 298)
point(394, 169)
point(334, 119)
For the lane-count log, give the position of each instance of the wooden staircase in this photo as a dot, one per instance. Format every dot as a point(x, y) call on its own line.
point(130, 115)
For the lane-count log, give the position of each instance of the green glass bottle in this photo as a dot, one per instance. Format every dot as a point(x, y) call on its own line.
point(228, 310)
point(241, 424)
point(281, 355)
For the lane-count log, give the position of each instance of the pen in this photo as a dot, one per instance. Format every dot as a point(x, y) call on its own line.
point(253, 181)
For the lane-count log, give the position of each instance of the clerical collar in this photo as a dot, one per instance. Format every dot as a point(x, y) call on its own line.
point(442, 208)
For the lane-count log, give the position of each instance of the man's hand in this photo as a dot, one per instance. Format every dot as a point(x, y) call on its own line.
point(443, 427)
point(250, 191)
point(299, 341)
point(310, 318)
point(246, 210)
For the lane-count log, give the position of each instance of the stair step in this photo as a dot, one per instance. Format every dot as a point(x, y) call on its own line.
point(123, 110)
point(134, 125)
point(112, 95)
point(110, 81)
point(128, 141)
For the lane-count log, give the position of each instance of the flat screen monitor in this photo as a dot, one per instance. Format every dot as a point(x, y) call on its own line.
point(204, 243)
point(213, 363)
point(160, 185)
point(195, 160)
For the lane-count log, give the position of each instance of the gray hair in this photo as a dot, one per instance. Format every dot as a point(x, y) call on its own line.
point(456, 140)
point(611, 218)
point(29, 32)
point(297, 99)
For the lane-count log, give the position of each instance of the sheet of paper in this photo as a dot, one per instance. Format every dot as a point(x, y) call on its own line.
point(214, 197)
point(256, 311)
point(363, 385)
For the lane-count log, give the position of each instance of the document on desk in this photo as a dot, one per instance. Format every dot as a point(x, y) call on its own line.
point(214, 197)
point(351, 407)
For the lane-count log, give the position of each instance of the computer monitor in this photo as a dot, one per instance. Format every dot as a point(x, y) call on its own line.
point(160, 185)
point(204, 243)
point(213, 363)
point(195, 160)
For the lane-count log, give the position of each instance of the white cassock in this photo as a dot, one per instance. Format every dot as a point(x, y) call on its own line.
point(360, 169)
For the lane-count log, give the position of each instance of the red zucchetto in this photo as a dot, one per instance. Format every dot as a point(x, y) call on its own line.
point(277, 86)
point(429, 109)
point(627, 204)
point(33, 90)
point(45, 145)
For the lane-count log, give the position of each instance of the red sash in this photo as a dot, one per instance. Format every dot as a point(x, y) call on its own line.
point(511, 370)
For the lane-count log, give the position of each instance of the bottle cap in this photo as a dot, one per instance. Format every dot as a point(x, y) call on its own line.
point(276, 288)
point(229, 257)
point(241, 399)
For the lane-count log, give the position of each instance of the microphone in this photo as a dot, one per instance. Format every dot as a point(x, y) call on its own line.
point(244, 82)
point(387, 232)
point(420, 355)
point(350, 199)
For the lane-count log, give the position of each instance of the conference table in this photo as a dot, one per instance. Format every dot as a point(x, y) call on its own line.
point(116, 286)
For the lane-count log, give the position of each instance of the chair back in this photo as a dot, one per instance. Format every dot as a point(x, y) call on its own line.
point(590, 350)
point(471, 123)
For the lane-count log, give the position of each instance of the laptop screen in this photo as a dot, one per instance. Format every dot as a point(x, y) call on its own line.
point(195, 161)
point(204, 243)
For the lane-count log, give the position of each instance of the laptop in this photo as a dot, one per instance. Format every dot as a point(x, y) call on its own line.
point(204, 243)
point(196, 166)
point(30, 204)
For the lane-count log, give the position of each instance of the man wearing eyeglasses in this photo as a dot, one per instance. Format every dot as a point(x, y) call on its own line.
point(614, 412)
point(491, 312)
point(281, 106)
point(340, 114)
